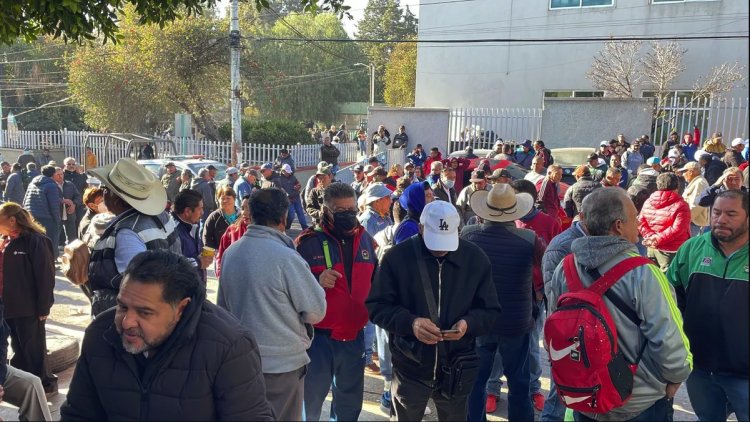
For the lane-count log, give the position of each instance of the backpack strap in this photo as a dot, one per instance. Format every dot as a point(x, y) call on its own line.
point(611, 277)
point(572, 279)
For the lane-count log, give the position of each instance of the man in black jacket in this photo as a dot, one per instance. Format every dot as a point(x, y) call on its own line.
point(422, 345)
point(513, 253)
point(166, 353)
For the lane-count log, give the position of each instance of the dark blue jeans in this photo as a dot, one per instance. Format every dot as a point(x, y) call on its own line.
point(340, 364)
point(661, 410)
point(515, 353)
point(711, 395)
point(52, 229)
point(295, 207)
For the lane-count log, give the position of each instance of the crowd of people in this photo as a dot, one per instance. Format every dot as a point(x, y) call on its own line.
point(440, 288)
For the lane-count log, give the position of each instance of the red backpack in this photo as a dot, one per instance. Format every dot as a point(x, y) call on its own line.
point(590, 372)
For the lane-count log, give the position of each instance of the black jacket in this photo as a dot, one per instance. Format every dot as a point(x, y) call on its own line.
point(208, 369)
point(329, 154)
point(28, 276)
point(575, 194)
point(714, 169)
point(513, 253)
point(4, 333)
point(397, 298)
point(643, 186)
point(440, 193)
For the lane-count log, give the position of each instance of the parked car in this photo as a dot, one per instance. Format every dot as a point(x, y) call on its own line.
point(182, 162)
point(569, 159)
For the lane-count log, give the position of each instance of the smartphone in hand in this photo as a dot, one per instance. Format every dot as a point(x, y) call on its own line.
point(448, 331)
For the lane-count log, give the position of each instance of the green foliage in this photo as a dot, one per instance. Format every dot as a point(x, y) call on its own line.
point(401, 76)
point(276, 132)
point(384, 19)
point(302, 81)
point(137, 84)
point(84, 20)
point(33, 86)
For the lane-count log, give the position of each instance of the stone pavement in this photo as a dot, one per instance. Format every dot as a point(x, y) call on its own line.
point(71, 314)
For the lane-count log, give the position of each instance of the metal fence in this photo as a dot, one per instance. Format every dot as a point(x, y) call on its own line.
point(683, 114)
point(480, 127)
point(71, 142)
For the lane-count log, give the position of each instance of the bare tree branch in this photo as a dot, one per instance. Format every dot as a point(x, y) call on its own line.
point(722, 79)
point(661, 66)
point(615, 69)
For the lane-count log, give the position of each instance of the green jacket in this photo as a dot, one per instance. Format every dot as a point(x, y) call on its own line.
point(712, 292)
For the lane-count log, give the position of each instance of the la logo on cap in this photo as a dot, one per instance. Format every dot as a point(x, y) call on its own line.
point(443, 225)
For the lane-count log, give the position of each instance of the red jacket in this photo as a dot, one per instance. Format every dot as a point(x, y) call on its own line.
point(549, 195)
point(667, 216)
point(546, 228)
point(233, 233)
point(428, 163)
point(346, 314)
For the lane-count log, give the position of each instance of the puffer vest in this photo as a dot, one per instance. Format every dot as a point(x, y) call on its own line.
point(511, 252)
point(157, 232)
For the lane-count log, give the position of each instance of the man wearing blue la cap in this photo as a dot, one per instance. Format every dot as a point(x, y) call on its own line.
point(433, 293)
point(270, 178)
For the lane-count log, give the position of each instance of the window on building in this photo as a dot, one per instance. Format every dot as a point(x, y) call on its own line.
point(573, 94)
point(563, 4)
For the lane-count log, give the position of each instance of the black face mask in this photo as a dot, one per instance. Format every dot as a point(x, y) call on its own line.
point(411, 174)
point(345, 221)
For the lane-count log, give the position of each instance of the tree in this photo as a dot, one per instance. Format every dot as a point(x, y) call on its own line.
point(33, 86)
point(82, 20)
point(722, 79)
point(137, 84)
point(616, 68)
point(661, 66)
point(401, 76)
point(304, 80)
point(384, 19)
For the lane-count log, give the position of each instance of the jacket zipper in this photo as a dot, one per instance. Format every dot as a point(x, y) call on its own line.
point(584, 354)
point(599, 317)
point(440, 285)
point(593, 389)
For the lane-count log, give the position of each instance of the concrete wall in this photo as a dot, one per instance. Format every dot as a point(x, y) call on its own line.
point(515, 75)
point(426, 126)
point(585, 122)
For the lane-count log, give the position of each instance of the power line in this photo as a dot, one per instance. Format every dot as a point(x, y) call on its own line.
point(46, 105)
point(515, 40)
point(312, 42)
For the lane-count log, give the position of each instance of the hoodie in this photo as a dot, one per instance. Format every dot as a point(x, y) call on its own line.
point(269, 287)
point(413, 201)
point(43, 199)
point(666, 357)
point(666, 216)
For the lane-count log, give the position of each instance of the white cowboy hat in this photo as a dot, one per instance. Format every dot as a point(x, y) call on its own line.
point(134, 184)
point(501, 204)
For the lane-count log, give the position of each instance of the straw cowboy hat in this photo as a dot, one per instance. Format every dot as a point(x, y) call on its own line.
point(501, 204)
point(134, 184)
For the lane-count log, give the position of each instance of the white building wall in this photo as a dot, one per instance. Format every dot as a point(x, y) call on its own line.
point(502, 75)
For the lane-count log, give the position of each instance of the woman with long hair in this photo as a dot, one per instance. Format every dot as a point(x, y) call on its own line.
point(27, 270)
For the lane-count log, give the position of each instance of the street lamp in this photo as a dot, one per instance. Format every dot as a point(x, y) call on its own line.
point(372, 81)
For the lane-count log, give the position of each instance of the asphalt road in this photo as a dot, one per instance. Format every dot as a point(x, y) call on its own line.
point(70, 315)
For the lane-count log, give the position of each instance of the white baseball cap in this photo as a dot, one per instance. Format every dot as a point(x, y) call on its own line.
point(737, 141)
point(440, 220)
point(286, 168)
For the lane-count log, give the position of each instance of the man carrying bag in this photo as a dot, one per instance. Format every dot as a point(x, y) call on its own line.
point(434, 294)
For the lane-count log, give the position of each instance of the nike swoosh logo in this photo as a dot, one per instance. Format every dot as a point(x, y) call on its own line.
point(556, 355)
point(573, 400)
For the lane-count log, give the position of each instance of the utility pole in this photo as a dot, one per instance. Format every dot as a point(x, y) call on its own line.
point(236, 106)
point(371, 67)
point(372, 84)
